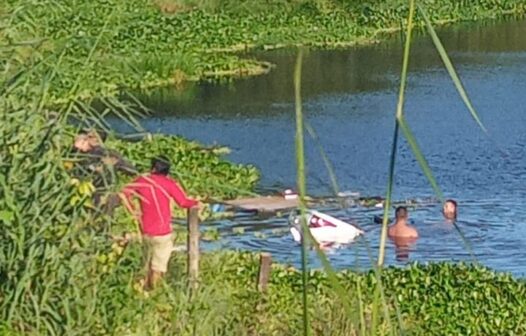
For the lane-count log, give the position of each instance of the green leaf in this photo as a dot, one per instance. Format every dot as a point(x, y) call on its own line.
point(411, 140)
point(7, 216)
point(450, 68)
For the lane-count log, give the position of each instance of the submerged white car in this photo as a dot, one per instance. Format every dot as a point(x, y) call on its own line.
point(324, 228)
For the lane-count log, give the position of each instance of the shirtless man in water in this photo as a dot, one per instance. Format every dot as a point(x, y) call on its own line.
point(401, 229)
point(402, 234)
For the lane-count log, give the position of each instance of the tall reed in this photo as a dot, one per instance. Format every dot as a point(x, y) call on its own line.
point(399, 115)
point(300, 163)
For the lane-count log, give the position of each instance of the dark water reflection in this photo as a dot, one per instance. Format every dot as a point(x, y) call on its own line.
point(350, 98)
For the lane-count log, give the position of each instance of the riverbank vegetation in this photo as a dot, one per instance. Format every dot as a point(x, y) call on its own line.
point(60, 271)
point(139, 44)
point(433, 299)
point(203, 170)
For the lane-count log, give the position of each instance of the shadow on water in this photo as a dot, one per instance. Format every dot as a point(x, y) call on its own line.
point(350, 98)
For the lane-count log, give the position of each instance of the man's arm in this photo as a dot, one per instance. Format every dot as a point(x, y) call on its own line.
point(127, 197)
point(125, 166)
point(179, 196)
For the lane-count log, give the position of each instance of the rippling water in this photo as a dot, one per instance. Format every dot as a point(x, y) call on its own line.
point(495, 243)
point(350, 98)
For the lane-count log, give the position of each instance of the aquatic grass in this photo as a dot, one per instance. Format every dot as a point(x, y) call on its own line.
point(307, 238)
point(146, 48)
point(425, 295)
point(201, 171)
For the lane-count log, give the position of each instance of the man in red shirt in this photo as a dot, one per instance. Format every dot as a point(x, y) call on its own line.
point(155, 191)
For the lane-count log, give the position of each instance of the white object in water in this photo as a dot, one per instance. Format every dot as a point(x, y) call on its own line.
point(324, 228)
point(288, 194)
point(348, 194)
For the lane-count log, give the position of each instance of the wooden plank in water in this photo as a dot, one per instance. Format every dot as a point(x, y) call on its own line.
point(265, 203)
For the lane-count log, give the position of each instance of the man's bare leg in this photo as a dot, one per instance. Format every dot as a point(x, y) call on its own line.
point(152, 279)
point(155, 278)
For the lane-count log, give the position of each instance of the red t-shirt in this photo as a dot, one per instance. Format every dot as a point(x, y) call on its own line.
point(154, 192)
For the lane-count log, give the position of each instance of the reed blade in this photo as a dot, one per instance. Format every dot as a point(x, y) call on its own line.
point(411, 140)
point(300, 169)
point(328, 164)
point(424, 165)
point(399, 114)
point(450, 68)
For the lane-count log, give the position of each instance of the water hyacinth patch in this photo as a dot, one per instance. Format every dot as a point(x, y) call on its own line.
point(201, 170)
point(139, 46)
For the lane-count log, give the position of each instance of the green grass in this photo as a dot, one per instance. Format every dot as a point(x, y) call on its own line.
point(301, 184)
point(432, 299)
point(202, 171)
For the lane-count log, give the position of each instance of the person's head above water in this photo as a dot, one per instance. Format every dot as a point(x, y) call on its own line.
point(401, 213)
point(450, 209)
point(161, 165)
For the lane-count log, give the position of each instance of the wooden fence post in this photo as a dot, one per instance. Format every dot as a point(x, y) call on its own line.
point(193, 247)
point(265, 262)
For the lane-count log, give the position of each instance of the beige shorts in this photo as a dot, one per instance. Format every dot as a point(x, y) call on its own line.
point(158, 251)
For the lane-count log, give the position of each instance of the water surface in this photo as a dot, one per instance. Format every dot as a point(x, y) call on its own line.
point(349, 98)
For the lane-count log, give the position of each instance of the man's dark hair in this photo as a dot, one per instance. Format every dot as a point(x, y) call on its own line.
point(161, 165)
point(401, 212)
point(452, 201)
point(103, 135)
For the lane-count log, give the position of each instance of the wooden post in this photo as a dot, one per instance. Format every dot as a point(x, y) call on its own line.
point(193, 247)
point(265, 263)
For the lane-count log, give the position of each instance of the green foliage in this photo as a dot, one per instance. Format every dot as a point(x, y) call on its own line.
point(138, 46)
point(432, 299)
point(202, 172)
point(50, 249)
point(60, 273)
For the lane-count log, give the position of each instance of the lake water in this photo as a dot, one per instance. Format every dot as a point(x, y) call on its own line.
point(350, 98)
